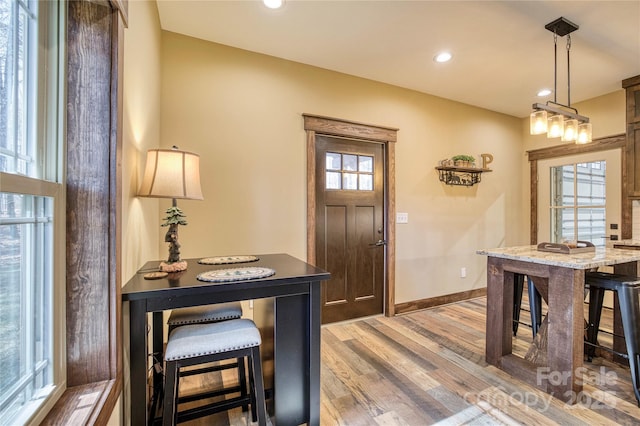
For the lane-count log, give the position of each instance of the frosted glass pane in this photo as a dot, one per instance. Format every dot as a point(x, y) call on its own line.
point(365, 163)
point(333, 180)
point(350, 162)
point(350, 181)
point(366, 182)
point(333, 161)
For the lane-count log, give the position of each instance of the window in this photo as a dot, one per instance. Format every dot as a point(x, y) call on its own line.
point(31, 210)
point(349, 171)
point(578, 202)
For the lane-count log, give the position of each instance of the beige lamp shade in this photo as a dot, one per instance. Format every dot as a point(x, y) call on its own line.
point(171, 173)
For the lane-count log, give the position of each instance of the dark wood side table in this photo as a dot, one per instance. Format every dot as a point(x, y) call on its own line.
point(287, 310)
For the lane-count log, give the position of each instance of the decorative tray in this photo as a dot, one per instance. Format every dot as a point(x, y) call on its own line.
point(222, 260)
point(567, 248)
point(236, 274)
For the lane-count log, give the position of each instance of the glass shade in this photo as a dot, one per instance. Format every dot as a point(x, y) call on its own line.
point(171, 173)
point(584, 133)
point(555, 126)
point(538, 122)
point(570, 130)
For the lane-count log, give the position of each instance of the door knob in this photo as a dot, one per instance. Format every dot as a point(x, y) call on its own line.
point(379, 243)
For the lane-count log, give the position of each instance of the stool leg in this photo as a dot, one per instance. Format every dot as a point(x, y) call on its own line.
point(535, 306)
point(254, 412)
point(171, 378)
point(242, 380)
point(256, 364)
point(596, 298)
point(518, 280)
point(630, 313)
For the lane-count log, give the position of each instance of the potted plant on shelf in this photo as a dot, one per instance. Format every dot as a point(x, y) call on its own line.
point(463, 160)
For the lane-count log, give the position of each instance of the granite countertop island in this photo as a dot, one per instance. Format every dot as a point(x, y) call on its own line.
point(601, 257)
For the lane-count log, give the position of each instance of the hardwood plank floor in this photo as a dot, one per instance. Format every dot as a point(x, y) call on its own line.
point(428, 367)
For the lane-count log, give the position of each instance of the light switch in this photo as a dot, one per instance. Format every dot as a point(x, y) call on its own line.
point(402, 217)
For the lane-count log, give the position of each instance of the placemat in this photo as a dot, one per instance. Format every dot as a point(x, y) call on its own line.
point(222, 260)
point(236, 274)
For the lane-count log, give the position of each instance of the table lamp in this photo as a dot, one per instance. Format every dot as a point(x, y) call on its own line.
point(171, 173)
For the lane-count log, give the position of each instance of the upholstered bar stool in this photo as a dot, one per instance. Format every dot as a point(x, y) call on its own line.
point(209, 314)
point(204, 314)
point(197, 344)
point(628, 290)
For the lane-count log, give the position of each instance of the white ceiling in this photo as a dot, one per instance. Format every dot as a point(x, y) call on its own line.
point(502, 53)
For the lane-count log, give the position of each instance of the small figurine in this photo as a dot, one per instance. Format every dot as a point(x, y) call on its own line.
point(174, 218)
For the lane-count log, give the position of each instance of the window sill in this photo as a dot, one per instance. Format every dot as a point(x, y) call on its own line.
point(92, 403)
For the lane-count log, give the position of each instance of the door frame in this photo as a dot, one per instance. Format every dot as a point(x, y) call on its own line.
point(326, 126)
point(600, 144)
point(613, 190)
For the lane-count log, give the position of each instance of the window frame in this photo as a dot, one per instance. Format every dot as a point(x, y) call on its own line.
point(95, 37)
point(45, 127)
point(558, 203)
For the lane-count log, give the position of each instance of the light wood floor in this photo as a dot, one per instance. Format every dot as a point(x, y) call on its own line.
point(428, 367)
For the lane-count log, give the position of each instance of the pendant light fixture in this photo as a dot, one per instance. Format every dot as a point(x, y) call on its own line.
point(553, 118)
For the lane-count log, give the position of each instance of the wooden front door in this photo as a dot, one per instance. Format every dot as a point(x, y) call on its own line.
point(350, 234)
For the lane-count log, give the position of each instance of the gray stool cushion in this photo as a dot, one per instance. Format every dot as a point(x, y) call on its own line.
point(191, 341)
point(205, 313)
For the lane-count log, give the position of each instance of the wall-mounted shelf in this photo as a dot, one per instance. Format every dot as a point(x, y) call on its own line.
point(462, 176)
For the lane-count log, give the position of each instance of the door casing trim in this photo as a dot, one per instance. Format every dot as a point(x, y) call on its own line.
point(326, 126)
point(600, 144)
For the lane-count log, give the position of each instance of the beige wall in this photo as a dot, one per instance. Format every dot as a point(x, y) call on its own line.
point(141, 131)
point(142, 73)
point(242, 112)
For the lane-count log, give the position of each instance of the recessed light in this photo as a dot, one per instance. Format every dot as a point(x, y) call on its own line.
point(273, 4)
point(442, 57)
point(544, 92)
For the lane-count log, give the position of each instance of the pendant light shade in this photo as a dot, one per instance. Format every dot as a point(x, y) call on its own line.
point(570, 131)
point(538, 122)
point(584, 133)
point(555, 126)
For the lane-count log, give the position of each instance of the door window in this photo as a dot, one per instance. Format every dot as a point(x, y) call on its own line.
point(578, 202)
point(348, 172)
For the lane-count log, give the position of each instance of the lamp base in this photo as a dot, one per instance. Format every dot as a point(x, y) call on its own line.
point(173, 267)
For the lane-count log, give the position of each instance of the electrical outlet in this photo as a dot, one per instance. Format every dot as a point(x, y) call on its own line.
point(463, 272)
point(402, 217)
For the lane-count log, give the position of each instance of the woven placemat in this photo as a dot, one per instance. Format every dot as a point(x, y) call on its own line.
point(236, 274)
point(223, 260)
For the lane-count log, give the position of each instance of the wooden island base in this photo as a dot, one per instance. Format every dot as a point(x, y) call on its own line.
point(554, 364)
